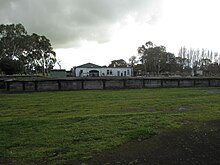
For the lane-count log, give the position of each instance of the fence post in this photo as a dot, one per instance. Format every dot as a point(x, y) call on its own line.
point(194, 82)
point(143, 83)
point(178, 82)
point(59, 85)
point(124, 83)
point(23, 85)
point(82, 84)
point(8, 86)
point(161, 82)
point(103, 82)
point(36, 85)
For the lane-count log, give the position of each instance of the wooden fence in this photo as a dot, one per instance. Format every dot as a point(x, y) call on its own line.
point(103, 83)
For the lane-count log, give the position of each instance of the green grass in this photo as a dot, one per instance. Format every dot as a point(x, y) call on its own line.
point(55, 127)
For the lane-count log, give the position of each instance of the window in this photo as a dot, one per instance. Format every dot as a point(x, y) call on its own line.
point(128, 72)
point(124, 73)
point(118, 73)
point(80, 72)
point(109, 72)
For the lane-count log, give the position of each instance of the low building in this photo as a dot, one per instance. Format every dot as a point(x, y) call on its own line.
point(92, 70)
point(58, 73)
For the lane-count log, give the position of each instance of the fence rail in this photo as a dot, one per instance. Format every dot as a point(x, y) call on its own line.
point(103, 83)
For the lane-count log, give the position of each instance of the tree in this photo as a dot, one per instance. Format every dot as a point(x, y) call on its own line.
point(138, 70)
point(59, 63)
point(11, 39)
point(169, 63)
point(198, 59)
point(118, 63)
point(152, 57)
point(32, 51)
point(205, 63)
point(132, 61)
point(10, 66)
point(214, 68)
point(42, 53)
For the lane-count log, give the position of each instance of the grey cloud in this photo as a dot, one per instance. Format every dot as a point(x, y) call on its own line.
point(67, 22)
point(153, 19)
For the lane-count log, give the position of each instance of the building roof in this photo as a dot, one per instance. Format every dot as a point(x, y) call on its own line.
point(89, 65)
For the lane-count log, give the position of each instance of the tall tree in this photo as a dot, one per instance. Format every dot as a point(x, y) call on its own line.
point(11, 40)
point(169, 63)
point(34, 52)
point(43, 53)
point(152, 57)
point(199, 59)
point(118, 63)
point(132, 61)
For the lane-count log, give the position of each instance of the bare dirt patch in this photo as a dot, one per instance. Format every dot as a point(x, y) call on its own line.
point(191, 144)
point(184, 109)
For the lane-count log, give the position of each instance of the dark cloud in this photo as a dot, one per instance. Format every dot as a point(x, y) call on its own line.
point(68, 22)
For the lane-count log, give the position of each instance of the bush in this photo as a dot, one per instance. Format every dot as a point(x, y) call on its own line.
point(10, 66)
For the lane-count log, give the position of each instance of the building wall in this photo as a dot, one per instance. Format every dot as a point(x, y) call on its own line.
point(58, 73)
point(84, 72)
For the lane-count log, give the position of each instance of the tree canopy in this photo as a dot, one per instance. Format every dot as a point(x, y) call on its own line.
point(33, 53)
point(156, 60)
point(118, 63)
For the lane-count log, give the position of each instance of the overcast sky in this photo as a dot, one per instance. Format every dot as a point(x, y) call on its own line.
point(100, 31)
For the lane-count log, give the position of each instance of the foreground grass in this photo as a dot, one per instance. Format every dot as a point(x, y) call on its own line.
point(55, 127)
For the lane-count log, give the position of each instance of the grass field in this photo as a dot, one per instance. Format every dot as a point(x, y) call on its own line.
point(56, 127)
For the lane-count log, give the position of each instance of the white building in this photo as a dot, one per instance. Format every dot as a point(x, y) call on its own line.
point(92, 70)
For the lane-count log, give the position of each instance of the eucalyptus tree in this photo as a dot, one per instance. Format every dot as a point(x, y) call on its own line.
point(132, 61)
point(118, 63)
point(40, 54)
point(33, 52)
point(152, 57)
point(11, 40)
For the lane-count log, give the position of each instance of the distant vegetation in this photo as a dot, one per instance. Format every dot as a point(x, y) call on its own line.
point(23, 53)
point(55, 127)
point(155, 60)
point(199, 59)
